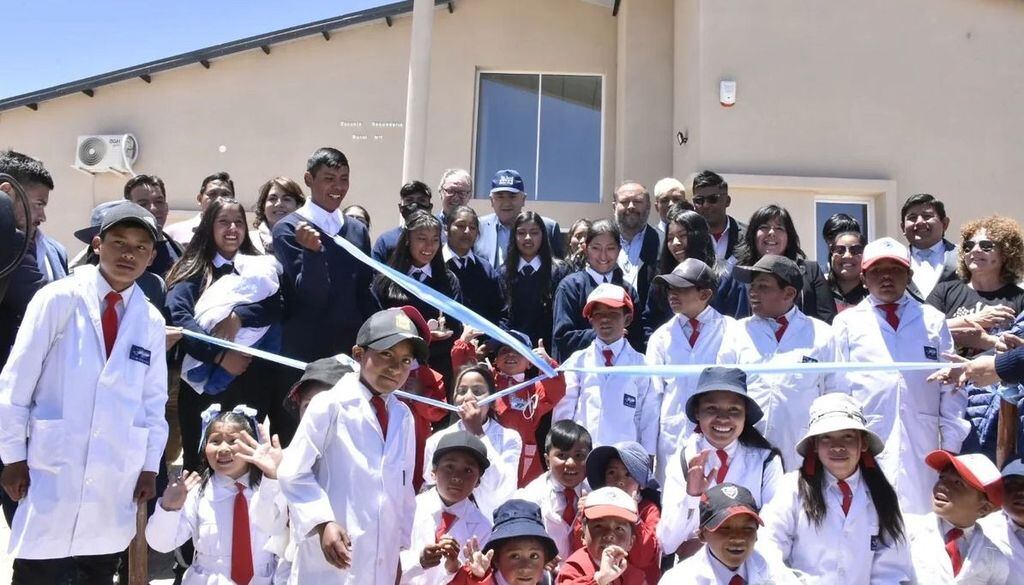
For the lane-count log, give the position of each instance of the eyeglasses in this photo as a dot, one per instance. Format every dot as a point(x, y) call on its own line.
point(984, 245)
point(855, 250)
point(706, 199)
point(456, 192)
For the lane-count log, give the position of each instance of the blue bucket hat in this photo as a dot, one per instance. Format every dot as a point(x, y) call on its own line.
point(518, 519)
point(633, 456)
point(716, 379)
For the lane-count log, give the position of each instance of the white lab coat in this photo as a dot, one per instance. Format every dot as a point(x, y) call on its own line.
point(983, 562)
point(612, 408)
point(912, 416)
point(758, 470)
point(669, 344)
point(340, 468)
point(1008, 536)
point(499, 480)
point(207, 518)
point(470, 523)
point(87, 425)
point(699, 570)
point(269, 512)
point(786, 398)
point(845, 549)
point(549, 495)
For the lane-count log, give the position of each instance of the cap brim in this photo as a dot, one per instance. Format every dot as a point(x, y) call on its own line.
point(872, 261)
point(481, 459)
point(589, 307)
point(506, 190)
point(673, 280)
point(939, 460)
point(834, 424)
point(422, 353)
point(754, 412)
point(85, 235)
point(522, 528)
point(746, 274)
point(596, 512)
point(1015, 467)
point(718, 519)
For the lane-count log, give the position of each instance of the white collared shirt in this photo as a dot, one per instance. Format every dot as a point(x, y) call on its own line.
point(535, 262)
point(629, 256)
point(927, 265)
point(328, 222)
point(427, 271)
point(447, 253)
point(219, 261)
point(722, 573)
point(103, 287)
point(615, 346)
point(773, 322)
point(597, 276)
point(722, 243)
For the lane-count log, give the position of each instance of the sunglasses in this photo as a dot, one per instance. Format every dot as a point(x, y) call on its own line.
point(706, 199)
point(984, 245)
point(855, 250)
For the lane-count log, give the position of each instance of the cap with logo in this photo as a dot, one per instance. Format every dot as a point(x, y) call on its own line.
point(507, 180)
point(491, 345)
point(386, 329)
point(462, 441)
point(610, 502)
point(106, 215)
point(689, 273)
point(885, 249)
point(780, 266)
point(608, 294)
point(834, 412)
point(724, 501)
point(976, 469)
point(717, 379)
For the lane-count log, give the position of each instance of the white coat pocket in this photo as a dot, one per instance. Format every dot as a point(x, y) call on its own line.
point(45, 459)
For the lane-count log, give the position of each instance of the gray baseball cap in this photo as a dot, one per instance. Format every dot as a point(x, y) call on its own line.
point(105, 215)
point(780, 266)
point(690, 273)
point(388, 328)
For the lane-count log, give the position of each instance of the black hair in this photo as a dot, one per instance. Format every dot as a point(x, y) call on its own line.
point(450, 218)
point(923, 199)
point(245, 424)
point(750, 436)
point(25, 169)
point(485, 373)
point(811, 488)
point(564, 434)
point(839, 224)
point(197, 259)
point(392, 295)
point(360, 208)
point(151, 181)
point(746, 251)
point(547, 263)
point(413, 187)
point(326, 157)
point(604, 226)
point(708, 178)
point(698, 239)
point(223, 177)
point(290, 188)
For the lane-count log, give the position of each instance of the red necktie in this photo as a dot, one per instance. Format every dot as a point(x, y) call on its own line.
point(737, 580)
point(847, 496)
point(608, 355)
point(695, 333)
point(783, 324)
point(952, 536)
point(109, 320)
point(447, 520)
point(890, 314)
point(569, 513)
point(723, 466)
point(381, 411)
point(241, 543)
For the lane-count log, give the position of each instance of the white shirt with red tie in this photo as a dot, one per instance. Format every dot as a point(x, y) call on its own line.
point(466, 521)
point(982, 561)
point(550, 495)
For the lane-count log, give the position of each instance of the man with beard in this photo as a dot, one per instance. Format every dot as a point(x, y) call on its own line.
point(933, 258)
point(639, 241)
point(413, 196)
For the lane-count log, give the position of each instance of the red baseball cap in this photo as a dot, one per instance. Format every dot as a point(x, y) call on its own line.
point(608, 294)
point(976, 469)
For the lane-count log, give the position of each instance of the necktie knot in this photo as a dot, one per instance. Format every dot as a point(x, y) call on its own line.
point(737, 580)
point(527, 270)
point(112, 298)
point(240, 487)
point(447, 521)
point(954, 534)
point(419, 275)
point(847, 496)
point(891, 316)
point(609, 356)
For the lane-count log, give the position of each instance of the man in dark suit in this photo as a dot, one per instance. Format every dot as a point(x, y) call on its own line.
point(711, 200)
point(933, 258)
point(413, 196)
point(638, 240)
point(508, 196)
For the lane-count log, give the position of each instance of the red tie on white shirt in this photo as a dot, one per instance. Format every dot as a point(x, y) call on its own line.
point(723, 467)
point(694, 331)
point(241, 540)
point(737, 580)
point(447, 520)
point(381, 410)
point(608, 355)
point(109, 320)
point(847, 496)
point(890, 314)
point(953, 550)
point(783, 324)
point(569, 513)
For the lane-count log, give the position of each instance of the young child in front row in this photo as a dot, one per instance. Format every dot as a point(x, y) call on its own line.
point(837, 519)
point(503, 445)
point(446, 516)
point(560, 489)
point(613, 408)
point(211, 507)
point(1007, 529)
point(610, 521)
point(948, 545)
point(726, 448)
point(518, 551)
point(728, 527)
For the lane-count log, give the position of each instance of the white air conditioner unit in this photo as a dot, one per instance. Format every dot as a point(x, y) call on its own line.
point(113, 153)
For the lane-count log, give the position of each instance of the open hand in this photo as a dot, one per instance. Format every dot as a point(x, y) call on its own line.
point(176, 491)
point(265, 455)
point(478, 562)
point(696, 481)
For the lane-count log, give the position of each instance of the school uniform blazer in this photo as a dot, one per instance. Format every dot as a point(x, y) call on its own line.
point(612, 408)
point(1006, 535)
point(983, 562)
point(758, 470)
point(549, 495)
point(486, 245)
point(481, 288)
point(786, 398)
point(571, 331)
point(326, 293)
point(500, 480)
point(87, 424)
point(22, 284)
point(911, 415)
point(206, 519)
point(670, 345)
point(470, 523)
point(697, 570)
point(386, 244)
point(340, 468)
point(950, 260)
point(846, 549)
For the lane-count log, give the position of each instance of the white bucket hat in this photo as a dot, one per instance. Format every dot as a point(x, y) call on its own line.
point(837, 412)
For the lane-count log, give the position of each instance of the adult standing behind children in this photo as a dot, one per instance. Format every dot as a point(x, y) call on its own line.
point(933, 258)
point(87, 381)
point(212, 187)
point(148, 192)
point(277, 198)
point(508, 196)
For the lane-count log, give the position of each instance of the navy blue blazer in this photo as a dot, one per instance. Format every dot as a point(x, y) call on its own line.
point(386, 244)
point(649, 251)
point(481, 289)
point(571, 330)
point(326, 293)
point(530, 306)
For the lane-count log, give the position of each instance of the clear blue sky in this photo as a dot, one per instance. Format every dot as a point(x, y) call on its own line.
point(49, 42)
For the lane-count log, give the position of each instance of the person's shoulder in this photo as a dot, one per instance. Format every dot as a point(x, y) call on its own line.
point(286, 225)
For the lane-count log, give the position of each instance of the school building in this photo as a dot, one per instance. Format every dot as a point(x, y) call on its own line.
point(819, 105)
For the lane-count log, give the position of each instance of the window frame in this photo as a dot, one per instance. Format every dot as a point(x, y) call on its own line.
point(833, 198)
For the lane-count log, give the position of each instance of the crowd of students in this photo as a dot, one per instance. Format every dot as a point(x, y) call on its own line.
point(787, 474)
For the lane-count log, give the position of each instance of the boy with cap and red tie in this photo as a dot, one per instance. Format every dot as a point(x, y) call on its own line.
point(348, 472)
point(612, 408)
point(948, 545)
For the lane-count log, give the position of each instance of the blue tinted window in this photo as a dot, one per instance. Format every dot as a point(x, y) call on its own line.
point(506, 129)
point(826, 209)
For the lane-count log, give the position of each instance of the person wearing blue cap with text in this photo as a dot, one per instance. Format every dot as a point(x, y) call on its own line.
point(508, 197)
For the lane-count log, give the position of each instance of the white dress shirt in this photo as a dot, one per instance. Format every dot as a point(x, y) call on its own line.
point(629, 256)
point(597, 276)
point(927, 265)
point(329, 223)
point(534, 262)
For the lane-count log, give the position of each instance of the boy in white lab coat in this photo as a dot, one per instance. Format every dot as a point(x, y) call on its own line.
point(1006, 529)
point(612, 408)
point(82, 426)
point(779, 333)
point(348, 472)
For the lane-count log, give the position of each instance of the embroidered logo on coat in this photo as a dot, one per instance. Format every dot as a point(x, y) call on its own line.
point(809, 360)
point(931, 353)
point(629, 401)
point(139, 354)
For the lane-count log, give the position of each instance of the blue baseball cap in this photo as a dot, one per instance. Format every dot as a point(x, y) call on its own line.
point(507, 180)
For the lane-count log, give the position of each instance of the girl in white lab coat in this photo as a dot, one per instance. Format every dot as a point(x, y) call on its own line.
point(211, 507)
point(837, 519)
point(726, 447)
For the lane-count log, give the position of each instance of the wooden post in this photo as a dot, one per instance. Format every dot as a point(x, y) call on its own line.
point(138, 550)
point(1006, 432)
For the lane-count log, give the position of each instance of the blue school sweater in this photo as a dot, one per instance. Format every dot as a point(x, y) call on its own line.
point(386, 244)
point(481, 288)
point(530, 305)
point(571, 331)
